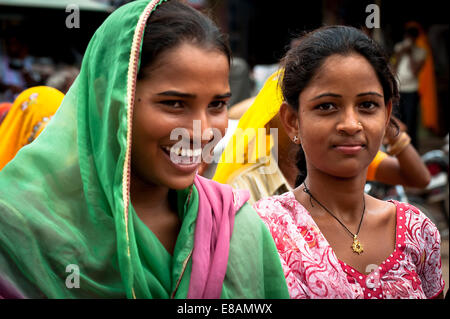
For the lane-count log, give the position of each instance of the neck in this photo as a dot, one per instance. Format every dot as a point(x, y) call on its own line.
point(146, 195)
point(344, 197)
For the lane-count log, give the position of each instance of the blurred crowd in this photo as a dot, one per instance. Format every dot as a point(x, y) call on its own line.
point(20, 70)
point(420, 61)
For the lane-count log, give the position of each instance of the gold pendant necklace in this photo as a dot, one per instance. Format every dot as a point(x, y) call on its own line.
point(356, 245)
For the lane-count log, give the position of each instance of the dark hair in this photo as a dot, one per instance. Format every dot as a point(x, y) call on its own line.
point(302, 61)
point(173, 23)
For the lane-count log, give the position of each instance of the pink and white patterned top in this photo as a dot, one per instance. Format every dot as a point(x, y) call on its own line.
point(312, 269)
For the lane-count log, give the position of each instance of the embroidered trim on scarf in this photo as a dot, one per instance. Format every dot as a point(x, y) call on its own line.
point(131, 89)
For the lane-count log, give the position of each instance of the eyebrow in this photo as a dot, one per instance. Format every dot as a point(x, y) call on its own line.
point(191, 96)
point(329, 94)
point(324, 95)
point(177, 94)
point(371, 93)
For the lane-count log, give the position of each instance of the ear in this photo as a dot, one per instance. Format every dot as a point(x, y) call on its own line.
point(289, 119)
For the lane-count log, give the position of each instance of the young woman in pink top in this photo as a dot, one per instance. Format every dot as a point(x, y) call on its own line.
point(334, 240)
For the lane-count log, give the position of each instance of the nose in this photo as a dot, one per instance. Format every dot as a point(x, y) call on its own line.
point(349, 123)
point(202, 131)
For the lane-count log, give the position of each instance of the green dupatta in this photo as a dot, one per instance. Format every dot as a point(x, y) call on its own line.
point(64, 199)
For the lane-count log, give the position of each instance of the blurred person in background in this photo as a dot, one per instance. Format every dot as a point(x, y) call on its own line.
point(409, 59)
point(427, 82)
point(26, 119)
point(63, 78)
point(241, 84)
point(16, 67)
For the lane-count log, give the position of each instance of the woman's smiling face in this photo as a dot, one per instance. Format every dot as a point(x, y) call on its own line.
point(342, 116)
point(184, 84)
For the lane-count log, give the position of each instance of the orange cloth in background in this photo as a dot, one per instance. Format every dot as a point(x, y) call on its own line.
point(4, 108)
point(372, 169)
point(427, 83)
point(26, 119)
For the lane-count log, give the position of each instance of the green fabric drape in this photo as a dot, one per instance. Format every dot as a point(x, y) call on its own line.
point(61, 200)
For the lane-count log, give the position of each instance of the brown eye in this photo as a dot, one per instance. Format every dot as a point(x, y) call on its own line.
point(218, 104)
point(173, 103)
point(325, 107)
point(369, 105)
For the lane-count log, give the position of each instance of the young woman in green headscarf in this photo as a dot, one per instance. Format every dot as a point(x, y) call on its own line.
point(96, 207)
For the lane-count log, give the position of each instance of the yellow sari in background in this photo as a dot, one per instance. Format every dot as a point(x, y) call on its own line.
point(26, 119)
point(242, 148)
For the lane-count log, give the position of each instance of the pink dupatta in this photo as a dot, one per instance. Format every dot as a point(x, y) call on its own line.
point(218, 204)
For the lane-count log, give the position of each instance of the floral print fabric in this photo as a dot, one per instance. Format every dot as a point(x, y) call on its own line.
point(312, 269)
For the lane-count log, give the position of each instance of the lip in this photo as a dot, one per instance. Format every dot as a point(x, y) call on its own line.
point(349, 149)
point(183, 168)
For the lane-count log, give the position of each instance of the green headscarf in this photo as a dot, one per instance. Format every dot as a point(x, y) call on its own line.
point(64, 199)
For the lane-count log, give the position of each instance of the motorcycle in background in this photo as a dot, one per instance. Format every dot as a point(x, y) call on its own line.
point(437, 191)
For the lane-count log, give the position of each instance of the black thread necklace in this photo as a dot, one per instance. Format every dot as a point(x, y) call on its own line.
point(356, 246)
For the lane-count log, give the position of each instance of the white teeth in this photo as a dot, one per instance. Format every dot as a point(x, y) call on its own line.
point(177, 151)
point(183, 151)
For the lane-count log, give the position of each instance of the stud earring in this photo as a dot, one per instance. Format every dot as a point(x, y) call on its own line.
point(295, 139)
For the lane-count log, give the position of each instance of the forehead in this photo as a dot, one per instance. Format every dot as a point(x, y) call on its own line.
point(187, 62)
point(345, 73)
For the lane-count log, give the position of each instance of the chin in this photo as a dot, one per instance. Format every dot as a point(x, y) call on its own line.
point(347, 172)
point(180, 182)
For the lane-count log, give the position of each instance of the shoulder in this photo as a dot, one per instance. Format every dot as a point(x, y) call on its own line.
point(246, 214)
point(411, 213)
point(385, 210)
point(249, 230)
point(422, 242)
point(282, 213)
point(418, 225)
point(253, 268)
point(420, 53)
point(276, 205)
